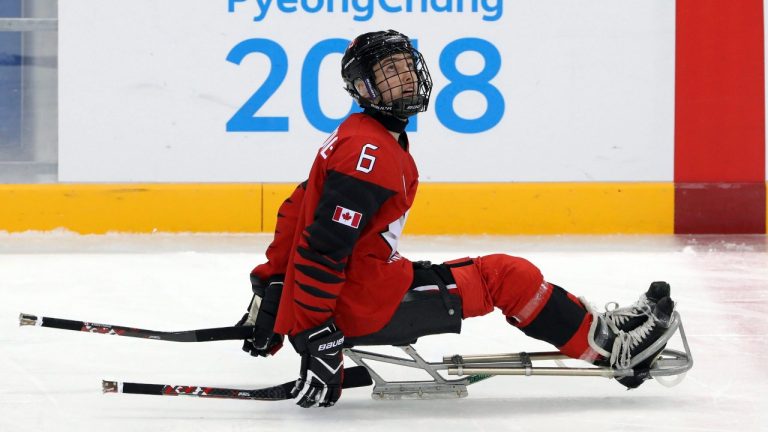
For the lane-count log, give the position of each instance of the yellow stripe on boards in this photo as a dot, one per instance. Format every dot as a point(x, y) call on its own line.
point(440, 208)
point(543, 208)
point(133, 208)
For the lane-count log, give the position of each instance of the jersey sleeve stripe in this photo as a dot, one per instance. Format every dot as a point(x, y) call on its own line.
point(312, 308)
point(319, 275)
point(314, 291)
point(316, 258)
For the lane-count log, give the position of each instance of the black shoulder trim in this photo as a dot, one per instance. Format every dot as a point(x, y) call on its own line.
point(403, 141)
point(317, 292)
point(320, 259)
point(460, 264)
point(312, 308)
point(360, 191)
point(319, 275)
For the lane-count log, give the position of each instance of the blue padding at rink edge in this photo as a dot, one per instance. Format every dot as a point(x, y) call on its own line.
point(10, 78)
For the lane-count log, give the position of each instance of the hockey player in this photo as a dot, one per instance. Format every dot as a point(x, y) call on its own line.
point(334, 278)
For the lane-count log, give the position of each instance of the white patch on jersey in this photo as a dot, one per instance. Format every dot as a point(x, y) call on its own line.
point(328, 144)
point(393, 233)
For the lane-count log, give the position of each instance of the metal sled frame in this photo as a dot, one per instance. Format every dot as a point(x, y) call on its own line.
point(475, 368)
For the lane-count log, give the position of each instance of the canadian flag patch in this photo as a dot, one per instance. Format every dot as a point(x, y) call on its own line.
point(347, 217)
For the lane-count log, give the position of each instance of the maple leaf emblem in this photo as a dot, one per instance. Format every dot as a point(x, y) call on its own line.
point(346, 217)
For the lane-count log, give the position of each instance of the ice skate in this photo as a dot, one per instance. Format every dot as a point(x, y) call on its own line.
point(635, 349)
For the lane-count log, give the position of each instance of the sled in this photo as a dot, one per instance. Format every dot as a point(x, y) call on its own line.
point(475, 368)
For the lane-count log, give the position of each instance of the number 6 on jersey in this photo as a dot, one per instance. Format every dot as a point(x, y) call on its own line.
point(366, 161)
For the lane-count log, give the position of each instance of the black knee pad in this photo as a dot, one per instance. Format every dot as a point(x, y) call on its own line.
point(558, 321)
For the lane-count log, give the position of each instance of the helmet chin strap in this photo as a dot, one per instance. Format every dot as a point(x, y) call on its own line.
point(367, 95)
point(373, 93)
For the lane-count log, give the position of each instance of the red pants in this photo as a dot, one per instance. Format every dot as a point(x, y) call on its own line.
point(540, 309)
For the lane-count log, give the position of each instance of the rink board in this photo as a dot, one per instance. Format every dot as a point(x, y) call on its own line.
point(441, 208)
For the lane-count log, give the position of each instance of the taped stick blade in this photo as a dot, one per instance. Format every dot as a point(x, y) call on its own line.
point(27, 319)
point(109, 386)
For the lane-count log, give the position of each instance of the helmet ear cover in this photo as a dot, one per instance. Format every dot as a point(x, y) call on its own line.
point(373, 93)
point(368, 50)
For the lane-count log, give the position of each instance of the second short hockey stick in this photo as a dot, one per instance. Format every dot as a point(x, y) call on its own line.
point(199, 335)
point(353, 377)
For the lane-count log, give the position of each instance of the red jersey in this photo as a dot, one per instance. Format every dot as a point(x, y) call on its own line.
point(336, 236)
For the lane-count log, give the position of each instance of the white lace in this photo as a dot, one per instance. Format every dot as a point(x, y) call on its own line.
point(621, 354)
point(620, 315)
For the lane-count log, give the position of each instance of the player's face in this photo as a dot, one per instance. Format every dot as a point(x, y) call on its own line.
point(396, 77)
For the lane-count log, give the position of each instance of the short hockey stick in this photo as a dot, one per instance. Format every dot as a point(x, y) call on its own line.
point(353, 377)
point(200, 335)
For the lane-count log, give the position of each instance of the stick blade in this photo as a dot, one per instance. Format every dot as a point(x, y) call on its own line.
point(356, 376)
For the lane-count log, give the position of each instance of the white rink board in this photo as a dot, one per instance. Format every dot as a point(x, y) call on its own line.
point(146, 90)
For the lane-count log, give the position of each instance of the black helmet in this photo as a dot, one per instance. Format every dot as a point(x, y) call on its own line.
point(364, 55)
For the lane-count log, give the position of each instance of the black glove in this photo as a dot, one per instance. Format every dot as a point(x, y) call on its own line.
point(262, 313)
point(322, 366)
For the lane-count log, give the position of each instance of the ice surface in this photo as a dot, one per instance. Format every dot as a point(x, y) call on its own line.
point(50, 379)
